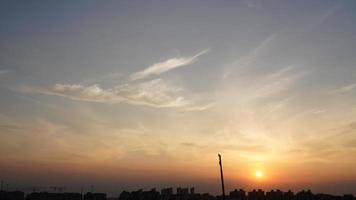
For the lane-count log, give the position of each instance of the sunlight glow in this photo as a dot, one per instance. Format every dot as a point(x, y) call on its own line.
point(259, 174)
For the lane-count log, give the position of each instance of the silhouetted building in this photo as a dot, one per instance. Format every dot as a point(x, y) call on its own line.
point(182, 194)
point(206, 196)
point(167, 191)
point(256, 195)
point(151, 195)
point(125, 195)
point(182, 191)
point(325, 197)
point(348, 197)
point(141, 195)
point(72, 196)
point(95, 196)
point(14, 195)
point(167, 194)
point(44, 196)
point(192, 191)
point(53, 196)
point(304, 195)
point(237, 195)
point(189, 194)
point(274, 195)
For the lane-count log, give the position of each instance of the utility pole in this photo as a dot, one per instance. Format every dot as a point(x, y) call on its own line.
point(222, 178)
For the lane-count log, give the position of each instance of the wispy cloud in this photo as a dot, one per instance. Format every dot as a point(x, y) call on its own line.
point(348, 88)
point(344, 89)
point(325, 16)
point(4, 71)
point(161, 67)
point(253, 148)
point(251, 57)
point(333, 143)
point(154, 93)
point(251, 4)
point(200, 107)
point(272, 84)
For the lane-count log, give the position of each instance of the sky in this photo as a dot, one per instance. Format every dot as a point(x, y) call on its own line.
point(124, 95)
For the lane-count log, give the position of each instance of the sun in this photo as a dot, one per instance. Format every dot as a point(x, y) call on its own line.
point(259, 174)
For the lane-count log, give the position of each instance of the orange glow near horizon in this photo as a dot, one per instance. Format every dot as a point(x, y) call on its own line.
point(259, 174)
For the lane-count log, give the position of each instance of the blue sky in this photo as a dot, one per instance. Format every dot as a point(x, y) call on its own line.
point(168, 84)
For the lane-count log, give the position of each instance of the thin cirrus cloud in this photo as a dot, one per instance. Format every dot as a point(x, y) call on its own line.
point(4, 71)
point(161, 67)
point(348, 88)
point(154, 93)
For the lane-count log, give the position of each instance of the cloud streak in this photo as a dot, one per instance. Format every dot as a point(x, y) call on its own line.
point(154, 93)
point(200, 107)
point(251, 57)
point(253, 148)
point(348, 88)
point(4, 71)
point(161, 67)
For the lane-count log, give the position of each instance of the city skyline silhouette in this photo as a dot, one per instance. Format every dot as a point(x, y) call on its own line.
point(58, 193)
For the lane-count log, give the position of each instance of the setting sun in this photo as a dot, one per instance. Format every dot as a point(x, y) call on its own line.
point(259, 174)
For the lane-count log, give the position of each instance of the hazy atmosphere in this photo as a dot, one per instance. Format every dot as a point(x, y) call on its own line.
point(141, 94)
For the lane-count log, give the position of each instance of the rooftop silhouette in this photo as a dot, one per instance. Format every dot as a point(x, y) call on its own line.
point(180, 194)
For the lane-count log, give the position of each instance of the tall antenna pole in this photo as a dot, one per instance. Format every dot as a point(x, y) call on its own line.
point(222, 178)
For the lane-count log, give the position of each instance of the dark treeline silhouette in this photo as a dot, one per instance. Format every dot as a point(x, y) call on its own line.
point(181, 194)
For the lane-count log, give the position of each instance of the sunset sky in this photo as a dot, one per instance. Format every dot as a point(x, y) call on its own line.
point(142, 94)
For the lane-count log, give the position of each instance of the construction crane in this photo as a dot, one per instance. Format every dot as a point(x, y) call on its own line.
point(222, 178)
